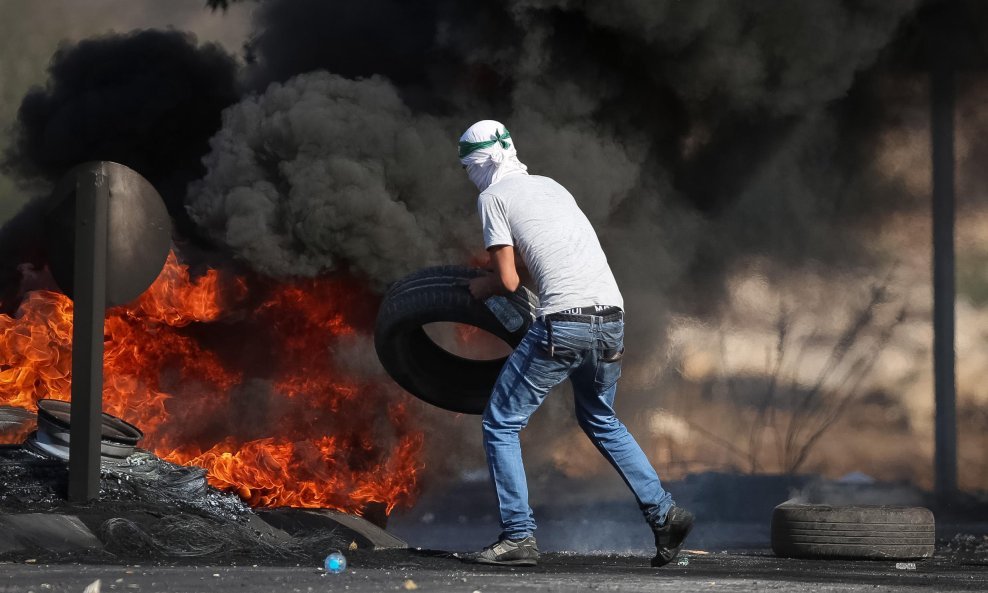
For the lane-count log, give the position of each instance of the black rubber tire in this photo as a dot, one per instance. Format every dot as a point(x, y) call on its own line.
point(422, 367)
point(852, 532)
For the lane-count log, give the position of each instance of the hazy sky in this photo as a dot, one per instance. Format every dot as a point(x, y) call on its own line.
point(31, 31)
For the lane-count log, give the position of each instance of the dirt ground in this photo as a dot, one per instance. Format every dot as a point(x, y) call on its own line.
point(410, 570)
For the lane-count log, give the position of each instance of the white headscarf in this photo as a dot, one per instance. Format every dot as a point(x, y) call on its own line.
point(488, 153)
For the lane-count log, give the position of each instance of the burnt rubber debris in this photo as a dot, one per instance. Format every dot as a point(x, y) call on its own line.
point(147, 508)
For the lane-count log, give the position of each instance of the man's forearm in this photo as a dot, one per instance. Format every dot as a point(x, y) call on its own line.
point(497, 284)
point(508, 279)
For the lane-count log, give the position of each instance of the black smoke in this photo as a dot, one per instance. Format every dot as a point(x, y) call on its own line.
point(692, 133)
point(22, 256)
point(148, 99)
point(353, 39)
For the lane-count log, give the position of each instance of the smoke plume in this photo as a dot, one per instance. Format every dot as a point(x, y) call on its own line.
point(690, 133)
point(149, 100)
point(322, 173)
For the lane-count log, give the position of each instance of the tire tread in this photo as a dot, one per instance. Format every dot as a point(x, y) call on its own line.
point(868, 532)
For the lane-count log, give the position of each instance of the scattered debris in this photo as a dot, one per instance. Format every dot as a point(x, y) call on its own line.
point(362, 533)
point(33, 482)
point(410, 585)
point(183, 535)
point(149, 508)
point(684, 560)
point(968, 549)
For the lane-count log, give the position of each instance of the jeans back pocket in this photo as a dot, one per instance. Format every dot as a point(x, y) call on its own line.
point(608, 372)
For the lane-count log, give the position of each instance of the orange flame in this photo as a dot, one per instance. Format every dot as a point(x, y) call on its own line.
point(319, 451)
point(272, 472)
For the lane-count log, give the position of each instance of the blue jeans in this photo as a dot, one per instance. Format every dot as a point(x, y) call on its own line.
point(528, 375)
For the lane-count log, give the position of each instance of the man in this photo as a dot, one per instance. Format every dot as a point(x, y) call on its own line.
point(579, 335)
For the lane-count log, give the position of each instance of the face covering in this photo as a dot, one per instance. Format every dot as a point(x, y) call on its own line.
point(488, 153)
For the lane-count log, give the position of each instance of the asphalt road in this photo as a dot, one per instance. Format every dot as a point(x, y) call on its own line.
point(424, 571)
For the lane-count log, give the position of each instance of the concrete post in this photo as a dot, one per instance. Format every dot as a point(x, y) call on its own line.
point(91, 203)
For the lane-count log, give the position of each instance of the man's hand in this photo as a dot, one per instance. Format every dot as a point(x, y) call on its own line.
point(483, 287)
point(502, 276)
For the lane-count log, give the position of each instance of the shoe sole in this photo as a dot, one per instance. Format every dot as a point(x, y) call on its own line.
point(519, 562)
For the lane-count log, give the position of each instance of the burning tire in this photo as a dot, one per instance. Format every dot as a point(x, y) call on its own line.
point(424, 368)
point(866, 532)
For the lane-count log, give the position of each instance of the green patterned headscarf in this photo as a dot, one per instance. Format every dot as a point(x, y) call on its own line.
point(489, 154)
point(500, 137)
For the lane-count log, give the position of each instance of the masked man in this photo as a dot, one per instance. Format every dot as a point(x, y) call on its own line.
point(579, 335)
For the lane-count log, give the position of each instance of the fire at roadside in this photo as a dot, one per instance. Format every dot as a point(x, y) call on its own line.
point(237, 376)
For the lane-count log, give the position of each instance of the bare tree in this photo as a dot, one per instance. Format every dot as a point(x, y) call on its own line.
point(818, 407)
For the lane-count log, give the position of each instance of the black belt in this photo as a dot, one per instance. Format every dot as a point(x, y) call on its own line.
point(584, 315)
point(587, 314)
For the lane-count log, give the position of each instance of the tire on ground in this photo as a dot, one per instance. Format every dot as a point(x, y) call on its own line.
point(860, 532)
point(421, 366)
point(14, 419)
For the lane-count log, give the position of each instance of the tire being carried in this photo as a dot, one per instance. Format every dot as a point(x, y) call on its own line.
point(424, 368)
point(862, 532)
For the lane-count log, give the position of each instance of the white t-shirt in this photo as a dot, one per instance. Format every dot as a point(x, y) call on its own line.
point(541, 220)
